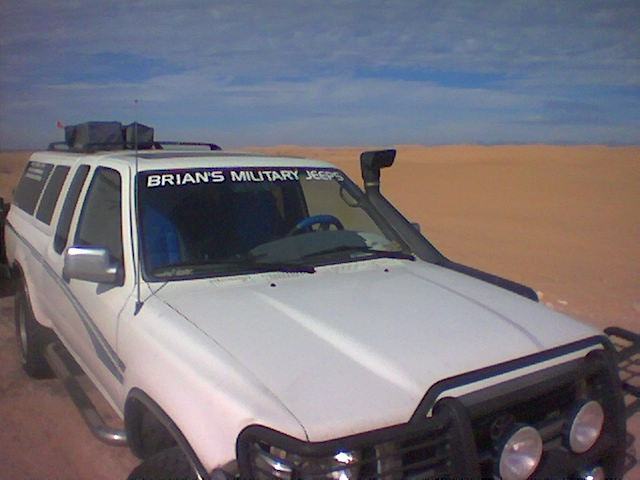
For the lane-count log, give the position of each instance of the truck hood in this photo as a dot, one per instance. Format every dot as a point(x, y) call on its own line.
point(356, 346)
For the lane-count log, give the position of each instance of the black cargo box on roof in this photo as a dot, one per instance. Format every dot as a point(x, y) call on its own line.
point(93, 136)
point(144, 138)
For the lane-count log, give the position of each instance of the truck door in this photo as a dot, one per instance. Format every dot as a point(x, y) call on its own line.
point(58, 305)
point(93, 308)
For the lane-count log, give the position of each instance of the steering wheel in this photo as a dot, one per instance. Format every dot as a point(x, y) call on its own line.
point(324, 221)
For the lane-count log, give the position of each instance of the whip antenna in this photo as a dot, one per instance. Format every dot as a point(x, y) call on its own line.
point(138, 257)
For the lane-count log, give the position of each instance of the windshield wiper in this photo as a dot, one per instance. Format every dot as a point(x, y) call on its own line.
point(232, 266)
point(292, 267)
point(370, 252)
point(259, 266)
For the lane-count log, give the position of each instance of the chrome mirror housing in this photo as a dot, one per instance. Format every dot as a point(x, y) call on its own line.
point(92, 264)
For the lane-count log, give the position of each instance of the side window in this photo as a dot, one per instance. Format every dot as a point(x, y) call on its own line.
point(31, 184)
point(51, 194)
point(68, 207)
point(100, 221)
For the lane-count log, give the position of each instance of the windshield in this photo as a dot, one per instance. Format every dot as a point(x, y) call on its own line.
point(224, 221)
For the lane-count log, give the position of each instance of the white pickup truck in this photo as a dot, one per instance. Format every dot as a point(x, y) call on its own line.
point(262, 317)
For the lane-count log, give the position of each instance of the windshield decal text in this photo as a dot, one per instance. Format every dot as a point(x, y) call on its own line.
point(185, 178)
point(325, 175)
point(195, 177)
point(263, 175)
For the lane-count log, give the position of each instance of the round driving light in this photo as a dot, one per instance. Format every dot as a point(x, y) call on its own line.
point(348, 460)
point(521, 454)
point(586, 427)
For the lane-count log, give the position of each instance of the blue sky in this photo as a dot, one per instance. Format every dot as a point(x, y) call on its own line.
point(322, 72)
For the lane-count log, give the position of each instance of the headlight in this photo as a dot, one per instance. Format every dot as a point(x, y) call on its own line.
point(586, 427)
point(342, 466)
point(272, 462)
point(521, 454)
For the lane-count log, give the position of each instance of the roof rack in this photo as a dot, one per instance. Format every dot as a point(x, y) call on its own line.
point(86, 148)
point(212, 146)
point(97, 147)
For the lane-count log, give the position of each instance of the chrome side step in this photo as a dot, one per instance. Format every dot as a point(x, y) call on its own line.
point(63, 365)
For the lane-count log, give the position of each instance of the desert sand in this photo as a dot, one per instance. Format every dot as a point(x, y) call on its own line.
point(562, 219)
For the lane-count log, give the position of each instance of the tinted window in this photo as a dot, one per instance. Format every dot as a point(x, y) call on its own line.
point(100, 222)
point(51, 194)
point(31, 184)
point(69, 206)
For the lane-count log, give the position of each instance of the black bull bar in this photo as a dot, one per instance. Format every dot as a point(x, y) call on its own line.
point(627, 345)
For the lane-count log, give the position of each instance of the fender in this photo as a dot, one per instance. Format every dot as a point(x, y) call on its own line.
point(137, 402)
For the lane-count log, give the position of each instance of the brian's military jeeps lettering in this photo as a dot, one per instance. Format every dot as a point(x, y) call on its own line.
point(262, 317)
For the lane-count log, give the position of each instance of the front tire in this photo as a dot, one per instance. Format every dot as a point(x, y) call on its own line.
point(32, 337)
point(169, 464)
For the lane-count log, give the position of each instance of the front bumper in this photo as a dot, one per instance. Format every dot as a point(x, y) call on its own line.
point(460, 437)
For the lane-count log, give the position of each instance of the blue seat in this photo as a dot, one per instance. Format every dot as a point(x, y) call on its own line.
point(161, 239)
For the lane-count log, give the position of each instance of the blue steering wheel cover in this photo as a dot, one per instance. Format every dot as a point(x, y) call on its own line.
point(325, 219)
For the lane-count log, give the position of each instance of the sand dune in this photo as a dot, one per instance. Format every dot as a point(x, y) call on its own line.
point(564, 220)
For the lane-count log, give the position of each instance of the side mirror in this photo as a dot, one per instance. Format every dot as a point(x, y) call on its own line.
point(92, 264)
point(416, 225)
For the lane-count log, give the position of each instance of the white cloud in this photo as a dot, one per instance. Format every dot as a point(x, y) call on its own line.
point(318, 62)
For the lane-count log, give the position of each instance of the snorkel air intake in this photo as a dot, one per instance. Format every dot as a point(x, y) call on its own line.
point(371, 163)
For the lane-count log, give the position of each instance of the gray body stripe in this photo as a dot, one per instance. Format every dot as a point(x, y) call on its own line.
point(105, 352)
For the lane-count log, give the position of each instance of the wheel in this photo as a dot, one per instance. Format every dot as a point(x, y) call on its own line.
point(324, 221)
point(32, 337)
point(169, 464)
point(154, 437)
